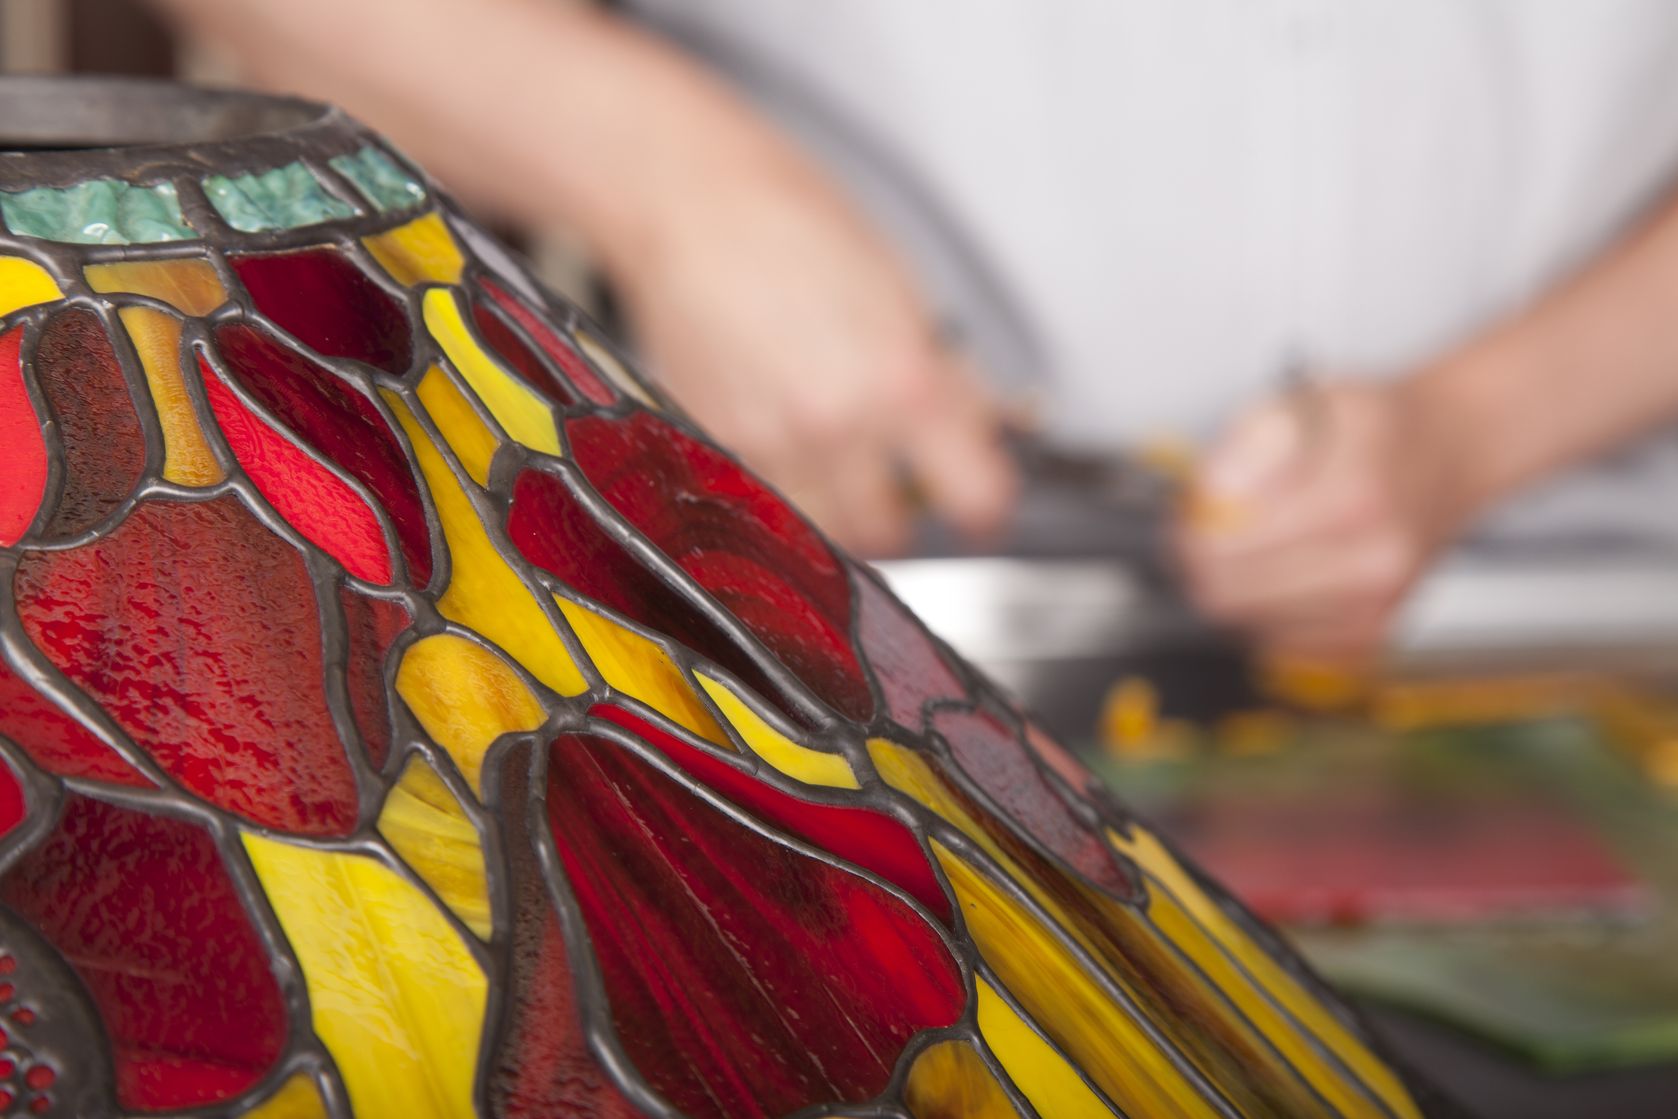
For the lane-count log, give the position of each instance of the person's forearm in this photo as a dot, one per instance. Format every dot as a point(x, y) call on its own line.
point(1589, 367)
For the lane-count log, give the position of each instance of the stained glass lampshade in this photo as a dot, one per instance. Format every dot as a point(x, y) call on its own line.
point(406, 712)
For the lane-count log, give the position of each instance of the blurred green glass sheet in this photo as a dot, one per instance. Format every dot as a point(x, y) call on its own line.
point(378, 177)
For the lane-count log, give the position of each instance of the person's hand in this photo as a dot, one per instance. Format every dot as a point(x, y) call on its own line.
point(1309, 521)
point(780, 321)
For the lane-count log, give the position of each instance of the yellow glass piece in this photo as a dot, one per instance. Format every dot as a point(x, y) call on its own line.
point(813, 767)
point(1305, 1008)
point(637, 667)
point(421, 251)
point(951, 1081)
point(465, 697)
point(297, 1098)
point(468, 436)
point(607, 361)
point(1041, 1074)
point(188, 284)
point(23, 283)
point(393, 991)
point(522, 414)
point(484, 593)
point(431, 831)
point(1055, 989)
point(187, 458)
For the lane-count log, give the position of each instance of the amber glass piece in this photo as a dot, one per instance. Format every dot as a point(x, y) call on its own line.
point(187, 458)
point(196, 630)
point(188, 284)
point(422, 251)
point(1042, 1073)
point(23, 283)
point(394, 993)
point(426, 825)
point(800, 762)
point(144, 910)
point(745, 978)
point(950, 1080)
point(23, 484)
point(465, 697)
point(468, 437)
point(297, 1098)
point(559, 351)
point(521, 412)
point(641, 670)
point(484, 593)
point(321, 298)
point(103, 447)
point(54, 740)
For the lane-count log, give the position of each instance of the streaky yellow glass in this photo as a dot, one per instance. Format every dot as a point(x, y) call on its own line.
point(23, 283)
point(187, 458)
point(520, 411)
point(297, 1098)
point(394, 993)
point(427, 826)
point(1071, 1007)
point(605, 360)
point(1286, 991)
point(467, 436)
point(188, 284)
point(465, 697)
point(950, 1080)
point(484, 593)
point(813, 767)
point(422, 251)
point(637, 667)
point(1041, 1074)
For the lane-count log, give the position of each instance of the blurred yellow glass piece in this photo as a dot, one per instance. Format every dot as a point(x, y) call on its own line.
point(188, 284)
point(187, 458)
point(1300, 1004)
point(394, 993)
point(467, 436)
point(1041, 1074)
point(637, 667)
point(520, 411)
point(1314, 685)
point(465, 697)
point(950, 1080)
point(1255, 733)
point(23, 283)
point(421, 251)
point(607, 362)
point(1130, 717)
point(297, 1098)
point(427, 826)
point(485, 594)
point(813, 767)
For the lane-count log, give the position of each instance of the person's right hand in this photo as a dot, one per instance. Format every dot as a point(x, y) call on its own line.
point(783, 324)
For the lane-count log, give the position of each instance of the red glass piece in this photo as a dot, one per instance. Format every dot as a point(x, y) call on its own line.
point(53, 739)
point(322, 299)
point(511, 348)
point(196, 630)
point(869, 839)
point(553, 530)
point(745, 978)
point(23, 474)
point(560, 351)
point(144, 911)
point(907, 664)
point(737, 539)
point(13, 808)
point(372, 625)
point(103, 447)
point(999, 763)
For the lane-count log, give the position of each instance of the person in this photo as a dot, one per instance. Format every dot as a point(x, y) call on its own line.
point(823, 218)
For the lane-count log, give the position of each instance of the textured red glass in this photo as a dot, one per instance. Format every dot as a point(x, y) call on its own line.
point(737, 539)
point(145, 912)
point(196, 629)
point(339, 423)
point(12, 804)
point(322, 299)
point(907, 664)
point(559, 351)
point(23, 482)
point(506, 343)
point(371, 625)
point(104, 451)
point(55, 741)
point(745, 978)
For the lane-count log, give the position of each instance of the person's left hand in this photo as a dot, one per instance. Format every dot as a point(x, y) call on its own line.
point(1309, 521)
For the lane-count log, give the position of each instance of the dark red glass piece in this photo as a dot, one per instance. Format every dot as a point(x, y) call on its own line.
point(559, 350)
point(907, 664)
point(53, 739)
point(994, 757)
point(322, 299)
point(372, 625)
point(745, 978)
point(103, 447)
point(13, 807)
point(338, 422)
point(143, 909)
point(737, 539)
point(196, 629)
point(511, 348)
point(24, 481)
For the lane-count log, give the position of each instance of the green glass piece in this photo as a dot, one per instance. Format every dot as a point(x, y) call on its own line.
point(377, 176)
point(283, 198)
point(97, 212)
